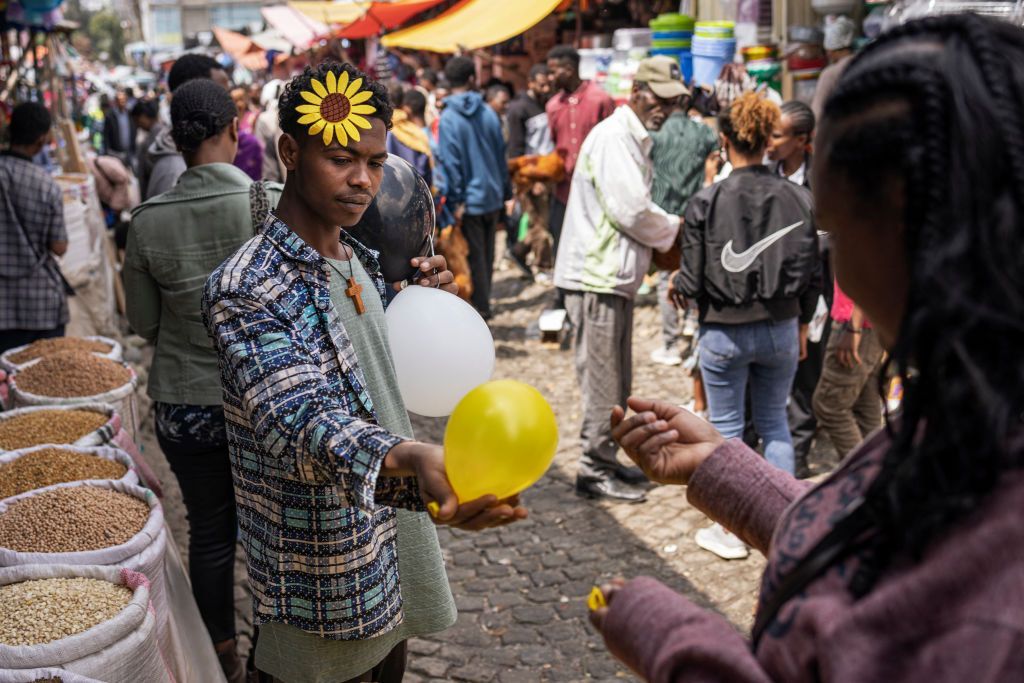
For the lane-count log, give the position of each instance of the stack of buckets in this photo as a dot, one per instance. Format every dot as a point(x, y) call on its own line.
point(714, 46)
point(672, 36)
point(762, 62)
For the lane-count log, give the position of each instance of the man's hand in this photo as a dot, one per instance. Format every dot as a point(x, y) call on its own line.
point(805, 331)
point(459, 212)
point(847, 352)
point(609, 591)
point(712, 167)
point(667, 442)
point(675, 297)
point(426, 463)
point(433, 273)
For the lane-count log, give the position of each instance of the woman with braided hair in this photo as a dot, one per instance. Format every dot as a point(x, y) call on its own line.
point(907, 563)
point(175, 241)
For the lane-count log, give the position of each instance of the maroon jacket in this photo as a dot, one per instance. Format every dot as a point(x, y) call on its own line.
point(957, 615)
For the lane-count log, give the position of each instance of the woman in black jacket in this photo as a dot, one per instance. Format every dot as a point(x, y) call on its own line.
point(750, 260)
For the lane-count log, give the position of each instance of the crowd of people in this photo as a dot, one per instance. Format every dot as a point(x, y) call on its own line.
point(277, 404)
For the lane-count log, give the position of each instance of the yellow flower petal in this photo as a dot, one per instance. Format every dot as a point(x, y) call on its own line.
point(331, 82)
point(342, 82)
point(311, 98)
point(359, 121)
point(360, 97)
point(317, 127)
point(339, 131)
point(354, 88)
point(309, 118)
point(352, 130)
point(319, 87)
point(328, 135)
point(363, 109)
point(308, 108)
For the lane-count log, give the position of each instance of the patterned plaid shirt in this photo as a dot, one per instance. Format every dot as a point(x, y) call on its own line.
point(31, 218)
point(316, 523)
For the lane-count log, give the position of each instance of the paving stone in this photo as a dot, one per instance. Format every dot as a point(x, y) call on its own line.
point(477, 672)
point(519, 635)
point(469, 603)
point(430, 666)
point(505, 600)
point(533, 614)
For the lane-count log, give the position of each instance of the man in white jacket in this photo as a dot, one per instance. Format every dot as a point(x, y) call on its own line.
point(611, 226)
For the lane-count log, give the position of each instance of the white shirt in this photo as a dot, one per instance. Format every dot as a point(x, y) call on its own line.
point(611, 223)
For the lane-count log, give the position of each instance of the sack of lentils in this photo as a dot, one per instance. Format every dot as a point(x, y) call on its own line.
point(88, 424)
point(17, 358)
point(94, 621)
point(74, 378)
point(35, 468)
point(108, 523)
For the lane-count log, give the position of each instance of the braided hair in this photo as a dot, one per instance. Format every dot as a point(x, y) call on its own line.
point(748, 123)
point(291, 96)
point(200, 110)
point(801, 117)
point(939, 103)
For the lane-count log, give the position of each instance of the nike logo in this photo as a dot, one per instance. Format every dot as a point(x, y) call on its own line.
point(737, 263)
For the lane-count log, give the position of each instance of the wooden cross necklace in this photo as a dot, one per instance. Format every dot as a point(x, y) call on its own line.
point(354, 290)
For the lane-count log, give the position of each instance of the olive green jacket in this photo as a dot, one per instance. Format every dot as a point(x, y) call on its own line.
point(175, 241)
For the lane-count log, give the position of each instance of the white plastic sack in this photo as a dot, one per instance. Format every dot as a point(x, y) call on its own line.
point(105, 452)
point(30, 675)
point(116, 353)
point(111, 434)
point(143, 553)
point(120, 650)
point(122, 399)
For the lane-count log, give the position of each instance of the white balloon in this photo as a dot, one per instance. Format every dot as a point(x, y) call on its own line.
point(441, 346)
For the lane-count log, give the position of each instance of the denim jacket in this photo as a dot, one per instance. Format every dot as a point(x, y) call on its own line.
point(317, 525)
point(175, 241)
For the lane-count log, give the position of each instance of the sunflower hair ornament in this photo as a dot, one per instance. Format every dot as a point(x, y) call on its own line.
point(336, 108)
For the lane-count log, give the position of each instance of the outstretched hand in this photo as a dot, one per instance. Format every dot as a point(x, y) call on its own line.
point(667, 442)
point(426, 463)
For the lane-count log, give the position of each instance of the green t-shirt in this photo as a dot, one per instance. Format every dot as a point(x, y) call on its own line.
point(295, 656)
point(680, 148)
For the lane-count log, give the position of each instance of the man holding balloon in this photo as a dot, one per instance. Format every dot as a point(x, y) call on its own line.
point(331, 489)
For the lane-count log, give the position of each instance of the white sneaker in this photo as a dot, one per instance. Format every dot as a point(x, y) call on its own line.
point(717, 540)
point(689, 327)
point(664, 356)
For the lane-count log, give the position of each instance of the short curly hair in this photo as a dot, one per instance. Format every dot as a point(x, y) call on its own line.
point(749, 122)
point(291, 97)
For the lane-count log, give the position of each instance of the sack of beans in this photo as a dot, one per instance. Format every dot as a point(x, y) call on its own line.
point(108, 523)
point(89, 424)
point(74, 378)
point(94, 621)
point(17, 358)
point(41, 466)
point(47, 675)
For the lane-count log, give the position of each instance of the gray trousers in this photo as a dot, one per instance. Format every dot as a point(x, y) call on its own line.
point(603, 342)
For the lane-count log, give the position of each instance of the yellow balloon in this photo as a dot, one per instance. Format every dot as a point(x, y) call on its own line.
point(500, 439)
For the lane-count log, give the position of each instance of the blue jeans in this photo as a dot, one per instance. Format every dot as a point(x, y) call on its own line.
point(765, 353)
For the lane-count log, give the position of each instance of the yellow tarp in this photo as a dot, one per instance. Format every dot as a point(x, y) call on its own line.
point(346, 12)
point(472, 24)
point(331, 12)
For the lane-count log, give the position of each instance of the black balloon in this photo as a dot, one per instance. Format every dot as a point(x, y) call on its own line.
point(400, 221)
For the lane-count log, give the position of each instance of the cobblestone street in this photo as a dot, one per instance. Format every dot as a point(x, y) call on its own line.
point(521, 590)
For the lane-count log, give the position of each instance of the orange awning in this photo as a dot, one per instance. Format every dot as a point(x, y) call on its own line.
point(381, 16)
point(362, 18)
point(241, 48)
point(472, 24)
